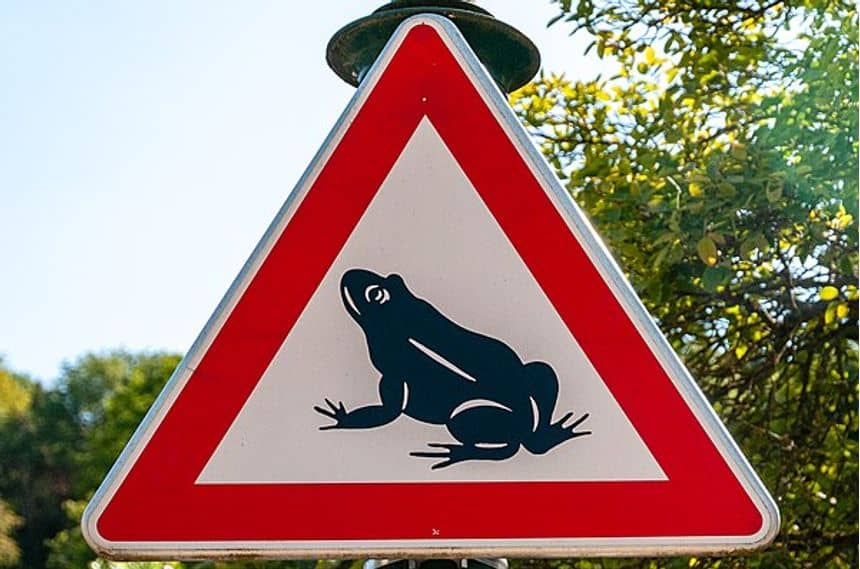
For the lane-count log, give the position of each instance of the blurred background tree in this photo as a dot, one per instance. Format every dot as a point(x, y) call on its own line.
point(56, 446)
point(718, 160)
point(9, 552)
point(717, 157)
point(57, 443)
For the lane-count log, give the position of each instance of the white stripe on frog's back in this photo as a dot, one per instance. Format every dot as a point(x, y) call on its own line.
point(441, 360)
point(472, 403)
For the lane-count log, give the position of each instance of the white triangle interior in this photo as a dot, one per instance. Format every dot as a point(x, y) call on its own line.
point(428, 224)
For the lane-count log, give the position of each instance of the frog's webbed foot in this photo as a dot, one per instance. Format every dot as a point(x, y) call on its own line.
point(453, 453)
point(337, 412)
point(556, 433)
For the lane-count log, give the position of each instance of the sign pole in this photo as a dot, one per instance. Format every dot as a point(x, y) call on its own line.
point(436, 564)
point(510, 57)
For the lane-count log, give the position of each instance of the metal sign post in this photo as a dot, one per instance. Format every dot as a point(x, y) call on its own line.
point(436, 564)
point(510, 57)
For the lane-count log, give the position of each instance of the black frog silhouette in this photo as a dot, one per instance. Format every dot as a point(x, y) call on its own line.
point(435, 371)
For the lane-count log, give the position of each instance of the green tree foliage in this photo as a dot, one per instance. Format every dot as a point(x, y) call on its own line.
point(16, 393)
point(67, 548)
point(57, 443)
point(56, 446)
point(9, 552)
point(719, 162)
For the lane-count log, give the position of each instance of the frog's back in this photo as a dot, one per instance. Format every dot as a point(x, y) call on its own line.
point(475, 352)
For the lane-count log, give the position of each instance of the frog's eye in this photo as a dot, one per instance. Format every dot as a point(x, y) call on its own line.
point(377, 294)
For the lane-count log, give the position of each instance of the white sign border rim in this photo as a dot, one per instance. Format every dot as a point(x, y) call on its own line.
point(440, 548)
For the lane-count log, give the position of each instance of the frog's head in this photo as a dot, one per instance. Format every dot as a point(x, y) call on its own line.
point(368, 296)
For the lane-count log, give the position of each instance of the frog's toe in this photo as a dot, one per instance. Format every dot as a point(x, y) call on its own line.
point(452, 453)
point(571, 428)
point(435, 454)
point(563, 420)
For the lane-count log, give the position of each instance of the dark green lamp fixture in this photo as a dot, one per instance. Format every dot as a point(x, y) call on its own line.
point(510, 57)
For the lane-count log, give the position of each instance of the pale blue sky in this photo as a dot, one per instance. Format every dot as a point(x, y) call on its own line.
point(145, 147)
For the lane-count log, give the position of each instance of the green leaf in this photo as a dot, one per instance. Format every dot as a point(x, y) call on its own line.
point(828, 293)
point(695, 189)
point(773, 190)
point(830, 313)
point(754, 241)
point(717, 237)
point(707, 250)
point(650, 56)
point(714, 277)
point(727, 190)
point(747, 248)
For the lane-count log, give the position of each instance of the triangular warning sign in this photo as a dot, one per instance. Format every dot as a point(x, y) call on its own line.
point(429, 353)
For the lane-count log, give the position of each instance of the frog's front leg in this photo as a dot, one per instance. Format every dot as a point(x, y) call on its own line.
point(392, 392)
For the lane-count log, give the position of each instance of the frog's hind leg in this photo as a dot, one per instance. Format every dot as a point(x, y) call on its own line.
point(486, 430)
point(452, 453)
point(544, 395)
point(543, 392)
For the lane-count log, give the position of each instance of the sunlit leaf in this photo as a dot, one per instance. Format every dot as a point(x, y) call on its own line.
point(828, 293)
point(707, 250)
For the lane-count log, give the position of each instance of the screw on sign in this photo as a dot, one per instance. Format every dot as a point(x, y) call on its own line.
point(440, 316)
